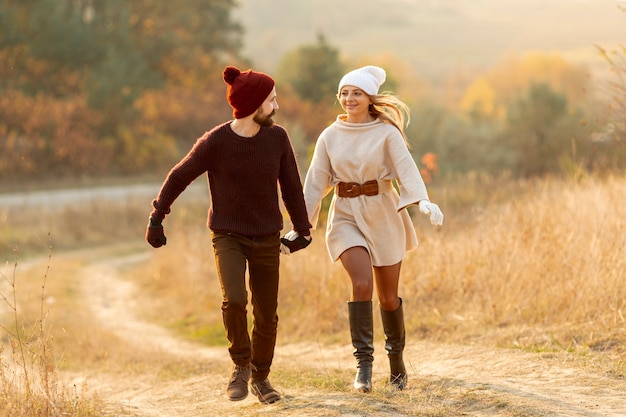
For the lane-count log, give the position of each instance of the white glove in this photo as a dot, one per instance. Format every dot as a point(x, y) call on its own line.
point(436, 216)
point(292, 235)
point(292, 242)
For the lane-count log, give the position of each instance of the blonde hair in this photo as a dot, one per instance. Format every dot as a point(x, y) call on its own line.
point(391, 109)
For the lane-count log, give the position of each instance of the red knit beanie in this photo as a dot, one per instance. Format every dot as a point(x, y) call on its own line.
point(246, 90)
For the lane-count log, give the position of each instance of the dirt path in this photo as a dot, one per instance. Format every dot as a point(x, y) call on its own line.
point(483, 382)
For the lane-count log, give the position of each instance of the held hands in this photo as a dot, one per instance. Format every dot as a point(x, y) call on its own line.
point(293, 242)
point(155, 235)
point(436, 216)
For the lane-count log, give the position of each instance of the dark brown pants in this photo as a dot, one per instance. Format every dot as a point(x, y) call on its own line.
point(233, 253)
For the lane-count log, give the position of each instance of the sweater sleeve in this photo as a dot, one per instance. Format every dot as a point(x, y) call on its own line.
point(291, 190)
point(179, 177)
point(317, 181)
point(411, 185)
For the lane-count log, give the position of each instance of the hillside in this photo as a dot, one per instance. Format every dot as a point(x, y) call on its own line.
point(437, 37)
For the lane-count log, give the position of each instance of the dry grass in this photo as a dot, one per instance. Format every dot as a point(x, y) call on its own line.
point(44, 322)
point(29, 370)
point(533, 265)
point(541, 271)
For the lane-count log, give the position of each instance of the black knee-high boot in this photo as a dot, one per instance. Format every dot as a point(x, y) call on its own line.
point(395, 339)
point(362, 333)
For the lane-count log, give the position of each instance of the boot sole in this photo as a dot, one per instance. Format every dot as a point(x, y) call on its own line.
point(270, 400)
point(238, 398)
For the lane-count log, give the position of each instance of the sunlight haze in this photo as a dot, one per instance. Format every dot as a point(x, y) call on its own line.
point(435, 36)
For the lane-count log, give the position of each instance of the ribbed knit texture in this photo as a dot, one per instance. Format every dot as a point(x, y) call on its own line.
point(359, 152)
point(243, 175)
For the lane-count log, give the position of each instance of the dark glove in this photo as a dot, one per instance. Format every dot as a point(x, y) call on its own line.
point(293, 242)
point(155, 235)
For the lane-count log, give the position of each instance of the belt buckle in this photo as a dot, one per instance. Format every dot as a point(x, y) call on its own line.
point(353, 189)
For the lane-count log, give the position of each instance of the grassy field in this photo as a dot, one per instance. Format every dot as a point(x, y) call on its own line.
point(534, 266)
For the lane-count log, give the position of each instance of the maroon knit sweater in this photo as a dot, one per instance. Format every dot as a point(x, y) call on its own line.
point(243, 175)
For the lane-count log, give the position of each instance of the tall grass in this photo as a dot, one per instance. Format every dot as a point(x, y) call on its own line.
point(28, 371)
point(534, 264)
point(545, 268)
point(42, 316)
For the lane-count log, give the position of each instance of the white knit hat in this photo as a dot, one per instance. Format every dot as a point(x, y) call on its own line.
point(368, 79)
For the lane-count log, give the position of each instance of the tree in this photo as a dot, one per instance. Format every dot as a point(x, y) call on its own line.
point(312, 70)
point(120, 46)
point(516, 74)
point(108, 54)
point(540, 132)
point(479, 101)
point(44, 45)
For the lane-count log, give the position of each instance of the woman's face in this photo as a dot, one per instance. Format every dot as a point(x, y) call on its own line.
point(354, 101)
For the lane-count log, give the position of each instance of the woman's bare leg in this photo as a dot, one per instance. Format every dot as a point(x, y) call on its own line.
point(387, 281)
point(357, 263)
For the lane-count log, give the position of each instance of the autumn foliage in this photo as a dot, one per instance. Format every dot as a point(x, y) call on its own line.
point(44, 135)
point(120, 88)
point(429, 166)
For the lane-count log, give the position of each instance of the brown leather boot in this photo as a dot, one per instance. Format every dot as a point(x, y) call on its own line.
point(237, 388)
point(264, 391)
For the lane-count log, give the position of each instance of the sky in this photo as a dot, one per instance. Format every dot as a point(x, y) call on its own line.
point(434, 36)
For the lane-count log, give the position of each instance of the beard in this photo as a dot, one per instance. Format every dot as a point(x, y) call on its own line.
point(264, 120)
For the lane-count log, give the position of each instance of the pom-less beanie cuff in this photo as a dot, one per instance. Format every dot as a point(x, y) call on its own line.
point(246, 90)
point(368, 79)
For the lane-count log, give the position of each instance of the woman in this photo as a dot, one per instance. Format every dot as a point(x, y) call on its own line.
point(369, 228)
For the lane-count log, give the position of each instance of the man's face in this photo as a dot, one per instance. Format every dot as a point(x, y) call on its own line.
point(267, 110)
point(264, 119)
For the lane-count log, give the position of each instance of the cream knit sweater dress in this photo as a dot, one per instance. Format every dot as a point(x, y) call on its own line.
point(359, 152)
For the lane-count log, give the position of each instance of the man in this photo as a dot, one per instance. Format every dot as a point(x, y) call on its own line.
point(245, 159)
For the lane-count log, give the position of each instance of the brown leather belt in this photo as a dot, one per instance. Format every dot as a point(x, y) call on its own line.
point(354, 189)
